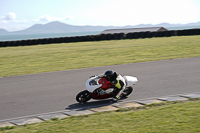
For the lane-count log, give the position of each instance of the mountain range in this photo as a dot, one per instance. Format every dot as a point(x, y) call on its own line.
point(59, 27)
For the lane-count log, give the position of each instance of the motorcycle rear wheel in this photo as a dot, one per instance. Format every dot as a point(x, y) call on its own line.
point(83, 96)
point(127, 91)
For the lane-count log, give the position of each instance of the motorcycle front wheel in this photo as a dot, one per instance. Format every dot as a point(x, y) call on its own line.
point(83, 96)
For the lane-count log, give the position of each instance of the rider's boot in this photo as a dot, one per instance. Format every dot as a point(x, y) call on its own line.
point(116, 97)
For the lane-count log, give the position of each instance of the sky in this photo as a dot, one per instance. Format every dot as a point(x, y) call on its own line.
point(21, 14)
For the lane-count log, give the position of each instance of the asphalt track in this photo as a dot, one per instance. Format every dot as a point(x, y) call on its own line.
point(48, 92)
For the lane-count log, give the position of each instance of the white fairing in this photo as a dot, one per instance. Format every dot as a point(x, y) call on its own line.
point(91, 88)
point(130, 80)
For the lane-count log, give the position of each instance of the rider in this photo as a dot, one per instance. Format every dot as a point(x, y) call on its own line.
point(117, 81)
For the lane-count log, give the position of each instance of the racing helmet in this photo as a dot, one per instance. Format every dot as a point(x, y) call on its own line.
point(109, 74)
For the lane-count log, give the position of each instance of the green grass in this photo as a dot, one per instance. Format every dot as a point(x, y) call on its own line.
point(56, 57)
point(171, 117)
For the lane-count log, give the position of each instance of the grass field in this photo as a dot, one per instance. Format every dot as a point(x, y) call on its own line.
point(171, 117)
point(55, 57)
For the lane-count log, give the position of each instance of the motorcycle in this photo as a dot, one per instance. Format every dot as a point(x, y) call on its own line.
point(95, 86)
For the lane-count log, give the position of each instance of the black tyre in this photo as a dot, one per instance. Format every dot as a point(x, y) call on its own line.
point(127, 91)
point(83, 96)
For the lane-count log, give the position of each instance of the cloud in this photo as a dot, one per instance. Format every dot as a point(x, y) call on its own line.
point(10, 16)
point(48, 18)
point(134, 12)
point(11, 23)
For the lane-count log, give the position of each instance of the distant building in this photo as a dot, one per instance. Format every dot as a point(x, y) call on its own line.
point(131, 30)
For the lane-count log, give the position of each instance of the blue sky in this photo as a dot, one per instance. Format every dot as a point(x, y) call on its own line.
point(21, 14)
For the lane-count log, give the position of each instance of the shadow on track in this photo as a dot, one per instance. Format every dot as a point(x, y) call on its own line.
point(92, 104)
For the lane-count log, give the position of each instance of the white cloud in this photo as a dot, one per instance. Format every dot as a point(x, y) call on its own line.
point(132, 12)
point(48, 18)
point(10, 23)
point(8, 17)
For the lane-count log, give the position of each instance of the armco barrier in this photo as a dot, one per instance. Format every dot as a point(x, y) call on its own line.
point(96, 38)
point(118, 36)
point(195, 31)
point(129, 36)
point(154, 34)
point(148, 34)
point(182, 32)
point(136, 35)
point(12, 43)
point(109, 37)
point(69, 39)
point(141, 34)
point(188, 32)
point(65, 40)
point(2, 44)
point(169, 33)
point(101, 37)
point(21, 43)
point(160, 34)
point(145, 34)
point(89, 38)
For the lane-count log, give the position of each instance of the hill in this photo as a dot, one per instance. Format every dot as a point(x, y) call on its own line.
point(59, 27)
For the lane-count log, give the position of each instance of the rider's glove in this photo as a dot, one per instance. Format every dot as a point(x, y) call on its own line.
point(93, 76)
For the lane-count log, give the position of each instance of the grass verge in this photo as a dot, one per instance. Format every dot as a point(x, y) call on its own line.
point(179, 116)
point(56, 57)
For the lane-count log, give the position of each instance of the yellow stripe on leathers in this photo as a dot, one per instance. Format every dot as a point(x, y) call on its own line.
point(118, 84)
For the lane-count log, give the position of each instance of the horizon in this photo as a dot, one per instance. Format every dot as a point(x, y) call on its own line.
point(15, 15)
point(133, 26)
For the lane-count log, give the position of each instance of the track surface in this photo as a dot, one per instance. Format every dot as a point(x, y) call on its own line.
point(54, 91)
